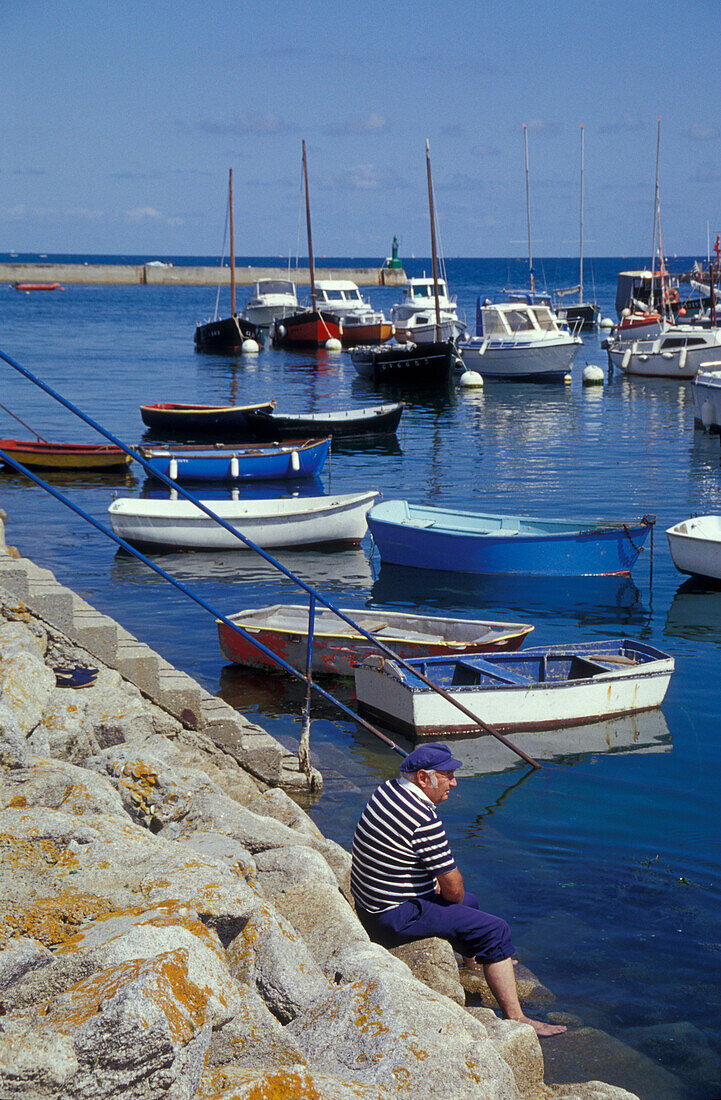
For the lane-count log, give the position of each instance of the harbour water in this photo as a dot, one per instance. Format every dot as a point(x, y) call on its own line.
point(606, 862)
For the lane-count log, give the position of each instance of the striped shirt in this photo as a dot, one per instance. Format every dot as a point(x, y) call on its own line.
point(399, 847)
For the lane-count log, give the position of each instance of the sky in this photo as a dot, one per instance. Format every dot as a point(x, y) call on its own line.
point(121, 120)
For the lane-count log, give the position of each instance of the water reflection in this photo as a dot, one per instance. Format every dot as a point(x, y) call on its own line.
point(243, 490)
point(695, 612)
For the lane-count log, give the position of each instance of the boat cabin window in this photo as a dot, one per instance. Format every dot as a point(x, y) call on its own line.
point(274, 286)
point(422, 291)
point(331, 295)
point(518, 320)
point(683, 342)
point(493, 323)
point(353, 295)
point(544, 318)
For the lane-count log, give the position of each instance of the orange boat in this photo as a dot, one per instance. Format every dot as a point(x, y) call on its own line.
point(38, 286)
point(65, 456)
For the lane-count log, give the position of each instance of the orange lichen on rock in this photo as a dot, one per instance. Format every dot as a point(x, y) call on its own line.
point(52, 921)
point(18, 802)
point(167, 914)
point(165, 983)
point(300, 1084)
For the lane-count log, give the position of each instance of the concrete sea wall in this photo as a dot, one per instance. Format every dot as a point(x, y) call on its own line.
point(172, 924)
point(167, 275)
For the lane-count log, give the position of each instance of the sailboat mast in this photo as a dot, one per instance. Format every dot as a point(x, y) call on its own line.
point(655, 217)
point(528, 209)
point(311, 265)
point(232, 244)
point(434, 254)
point(580, 266)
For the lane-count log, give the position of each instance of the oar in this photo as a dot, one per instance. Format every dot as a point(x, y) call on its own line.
point(40, 437)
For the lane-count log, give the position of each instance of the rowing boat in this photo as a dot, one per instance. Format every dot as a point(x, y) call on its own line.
point(225, 462)
point(65, 456)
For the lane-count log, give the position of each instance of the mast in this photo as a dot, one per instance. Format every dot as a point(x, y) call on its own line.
point(433, 240)
point(311, 265)
point(232, 245)
point(580, 265)
point(656, 221)
point(528, 209)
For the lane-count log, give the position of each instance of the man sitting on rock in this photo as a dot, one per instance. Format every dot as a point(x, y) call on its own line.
point(406, 884)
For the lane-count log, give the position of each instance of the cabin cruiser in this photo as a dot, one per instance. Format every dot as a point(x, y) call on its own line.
point(414, 316)
point(515, 340)
point(270, 300)
point(361, 324)
point(677, 351)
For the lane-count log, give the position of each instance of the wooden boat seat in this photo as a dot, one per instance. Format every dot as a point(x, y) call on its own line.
point(484, 668)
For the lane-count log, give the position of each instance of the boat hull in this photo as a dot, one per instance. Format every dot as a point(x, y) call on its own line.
point(304, 458)
point(298, 522)
point(37, 286)
point(695, 547)
point(599, 688)
point(349, 424)
point(336, 647)
point(416, 363)
point(653, 359)
point(203, 420)
point(264, 316)
point(706, 391)
point(376, 333)
point(436, 538)
point(512, 361)
point(310, 329)
point(583, 316)
point(225, 335)
point(65, 456)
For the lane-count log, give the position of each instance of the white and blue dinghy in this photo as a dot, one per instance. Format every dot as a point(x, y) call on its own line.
point(541, 688)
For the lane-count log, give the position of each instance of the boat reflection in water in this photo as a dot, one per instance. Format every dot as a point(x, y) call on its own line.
point(412, 588)
point(153, 489)
point(566, 746)
point(695, 612)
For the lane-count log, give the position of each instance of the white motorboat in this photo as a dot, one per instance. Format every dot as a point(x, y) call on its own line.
point(286, 521)
point(361, 324)
point(518, 341)
point(695, 546)
point(706, 391)
point(414, 316)
point(270, 300)
point(678, 352)
point(538, 688)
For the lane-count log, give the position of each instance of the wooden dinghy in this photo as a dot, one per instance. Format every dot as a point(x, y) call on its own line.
point(371, 420)
point(65, 456)
point(201, 419)
point(283, 628)
point(425, 537)
point(284, 521)
point(695, 546)
point(539, 688)
point(226, 462)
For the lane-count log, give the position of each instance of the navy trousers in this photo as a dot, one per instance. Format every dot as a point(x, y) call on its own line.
point(471, 932)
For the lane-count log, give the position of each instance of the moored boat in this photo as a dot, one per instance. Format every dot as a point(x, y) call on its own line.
point(413, 363)
point(65, 456)
point(270, 300)
point(226, 462)
point(518, 341)
point(425, 537)
point(285, 521)
point(37, 286)
point(283, 628)
point(695, 546)
point(183, 419)
point(538, 688)
point(370, 420)
point(679, 351)
point(414, 317)
point(706, 390)
point(370, 327)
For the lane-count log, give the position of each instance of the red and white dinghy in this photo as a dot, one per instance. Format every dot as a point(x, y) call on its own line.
point(283, 628)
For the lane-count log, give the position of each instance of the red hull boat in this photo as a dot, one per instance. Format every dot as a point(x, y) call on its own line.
point(38, 286)
point(310, 329)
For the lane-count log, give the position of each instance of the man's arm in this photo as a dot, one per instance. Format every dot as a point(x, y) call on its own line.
point(450, 885)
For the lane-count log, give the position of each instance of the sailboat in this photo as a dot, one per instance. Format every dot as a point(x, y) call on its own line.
point(308, 328)
point(529, 296)
point(423, 362)
point(226, 335)
point(580, 314)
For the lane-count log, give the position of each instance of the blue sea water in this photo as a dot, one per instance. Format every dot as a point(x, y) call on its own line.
point(606, 862)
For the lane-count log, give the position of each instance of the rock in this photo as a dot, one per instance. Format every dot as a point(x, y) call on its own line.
point(253, 1038)
point(17, 636)
point(26, 684)
point(13, 745)
point(285, 1084)
point(279, 869)
point(322, 916)
point(395, 1033)
point(586, 1053)
point(530, 990)
point(59, 786)
point(277, 804)
point(20, 957)
point(135, 1030)
point(270, 955)
point(683, 1046)
point(216, 846)
point(361, 962)
point(432, 962)
point(519, 1047)
point(591, 1090)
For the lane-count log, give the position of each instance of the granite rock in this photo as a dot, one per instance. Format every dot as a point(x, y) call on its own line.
point(295, 1082)
point(253, 1038)
point(432, 962)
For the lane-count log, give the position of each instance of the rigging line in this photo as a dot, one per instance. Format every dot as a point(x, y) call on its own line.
point(36, 434)
point(222, 258)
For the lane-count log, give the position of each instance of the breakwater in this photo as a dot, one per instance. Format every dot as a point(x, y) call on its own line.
point(170, 275)
point(172, 925)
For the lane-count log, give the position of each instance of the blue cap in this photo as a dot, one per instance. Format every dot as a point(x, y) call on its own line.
point(434, 756)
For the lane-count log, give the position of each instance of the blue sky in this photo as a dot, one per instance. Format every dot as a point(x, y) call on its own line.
point(120, 122)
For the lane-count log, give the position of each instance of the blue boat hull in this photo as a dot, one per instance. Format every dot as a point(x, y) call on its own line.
point(234, 464)
point(600, 551)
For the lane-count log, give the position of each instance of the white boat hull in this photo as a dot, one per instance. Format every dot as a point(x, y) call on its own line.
point(651, 359)
point(695, 546)
point(427, 714)
point(263, 316)
point(297, 521)
point(707, 400)
point(513, 359)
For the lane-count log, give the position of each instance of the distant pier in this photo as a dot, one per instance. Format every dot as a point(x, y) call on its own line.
point(169, 275)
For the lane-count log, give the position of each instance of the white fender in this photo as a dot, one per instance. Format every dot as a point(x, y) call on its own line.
point(626, 359)
point(707, 414)
point(295, 461)
point(173, 469)
point(234, 467)
point(682, 358)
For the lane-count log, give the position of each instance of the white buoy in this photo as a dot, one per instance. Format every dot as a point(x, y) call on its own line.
point(333, 344)
point(592, 375)
point(250, 347)
point(707, 414)
point(471, 378)
point(605, 322)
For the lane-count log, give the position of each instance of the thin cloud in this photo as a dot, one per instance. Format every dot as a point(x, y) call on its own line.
point(701, 132)
point(250, 122)
point(627, 124)
point(372, 123)
point(85, 213)
point(366, 177)
point(30, 172)
point(541, 126)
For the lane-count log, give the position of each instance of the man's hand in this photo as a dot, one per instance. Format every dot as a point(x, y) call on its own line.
point(450, 886)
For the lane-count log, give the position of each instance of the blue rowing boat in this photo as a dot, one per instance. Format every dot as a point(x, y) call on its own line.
point(473, 542)
point(269, 462)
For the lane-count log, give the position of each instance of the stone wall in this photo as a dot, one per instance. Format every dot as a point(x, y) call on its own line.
point(172, 924)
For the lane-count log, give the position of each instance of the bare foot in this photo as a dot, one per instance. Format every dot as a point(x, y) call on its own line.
point(542, 1028)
